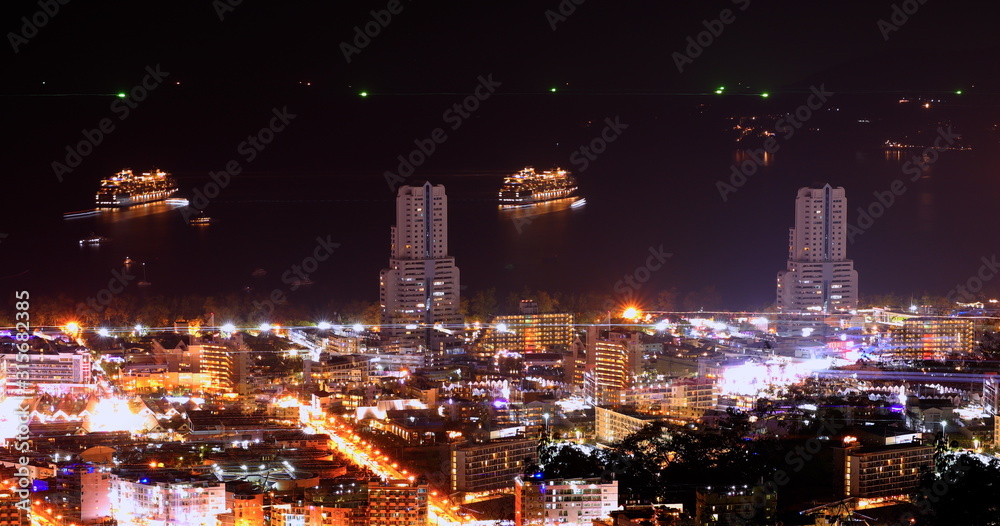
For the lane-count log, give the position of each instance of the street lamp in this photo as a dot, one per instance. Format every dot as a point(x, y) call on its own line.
point(546, 417)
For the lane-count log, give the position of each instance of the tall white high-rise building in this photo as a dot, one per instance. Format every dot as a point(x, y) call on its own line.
point(420, 289)
point(819, 277)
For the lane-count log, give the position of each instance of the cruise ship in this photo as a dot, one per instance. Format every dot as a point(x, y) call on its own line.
point(126, 189)
point(528, 188)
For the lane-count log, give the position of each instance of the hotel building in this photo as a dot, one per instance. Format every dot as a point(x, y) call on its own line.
point(569, 502)
point(420, 289)
point(13, 512)
point(991, 393)
point(397, 503)
point(490, 466)
point(245, 508)
point(531, 331)
point(83, 489)
point(69, 368)
point(159, 502)
point(872, 472)
point(724, 505)
point(929, 338)
point(615, 423)
point(613, 360)
point(818, 275)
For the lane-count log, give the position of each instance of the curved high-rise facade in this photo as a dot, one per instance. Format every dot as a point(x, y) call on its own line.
point(420, 289)
point(818, 277)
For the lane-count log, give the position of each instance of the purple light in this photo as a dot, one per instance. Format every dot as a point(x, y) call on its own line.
point(499, 404)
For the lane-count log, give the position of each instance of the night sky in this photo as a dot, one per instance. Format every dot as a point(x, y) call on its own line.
point(603, 57)
point(602, 46)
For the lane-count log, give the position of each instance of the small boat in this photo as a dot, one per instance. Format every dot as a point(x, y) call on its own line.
point(200, 220)
point(93, 240)
point(144, 283)
point(128, 260)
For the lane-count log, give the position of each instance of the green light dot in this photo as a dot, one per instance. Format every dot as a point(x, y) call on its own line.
point(121, 95)
point(959, 92)
point(721, 88)
point(363, 93)
point(765, 95)
point(718, 91)
point(553, 90)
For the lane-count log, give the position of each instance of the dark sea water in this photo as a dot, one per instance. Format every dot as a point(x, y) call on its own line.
point(654, 186)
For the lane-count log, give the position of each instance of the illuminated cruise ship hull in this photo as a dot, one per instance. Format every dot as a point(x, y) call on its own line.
point(126, 189)
point(125, 200)
point(528, 188)
point(532, 200)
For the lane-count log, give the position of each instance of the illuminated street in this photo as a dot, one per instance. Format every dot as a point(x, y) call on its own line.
point(362, 454)
point(501, 264)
